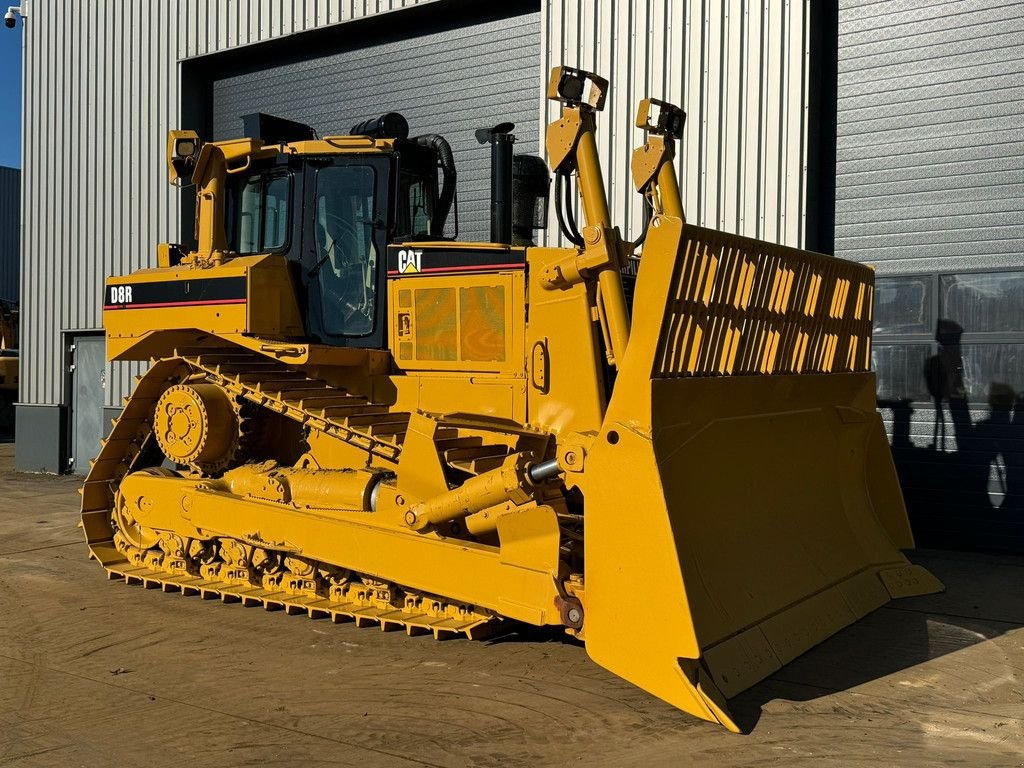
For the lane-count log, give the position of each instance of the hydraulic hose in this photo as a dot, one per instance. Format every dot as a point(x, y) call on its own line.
point(446, 160)
point(648, 215)
point(568, 228)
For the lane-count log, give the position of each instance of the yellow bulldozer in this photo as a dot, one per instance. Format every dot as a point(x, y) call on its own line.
point(667, 447)
point(8, 364)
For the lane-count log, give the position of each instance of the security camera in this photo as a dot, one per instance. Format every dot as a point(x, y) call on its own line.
point(11, 17)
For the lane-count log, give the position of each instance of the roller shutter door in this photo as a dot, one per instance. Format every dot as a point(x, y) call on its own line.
point(445, 78)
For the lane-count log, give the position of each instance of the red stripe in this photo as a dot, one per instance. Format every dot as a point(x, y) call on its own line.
point(459, 269)
point(173, 304)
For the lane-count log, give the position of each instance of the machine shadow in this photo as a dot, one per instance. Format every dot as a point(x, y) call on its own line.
point(960, 459)
point(890, 641)
point(975, 474)
point(527, 633)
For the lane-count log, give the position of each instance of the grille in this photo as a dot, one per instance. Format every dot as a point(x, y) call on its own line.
point(435, 324)
point(739, 306)
point(482, 323)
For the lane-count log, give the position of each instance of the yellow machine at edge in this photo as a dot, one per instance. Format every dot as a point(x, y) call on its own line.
point(9, 367)
point(670, 448)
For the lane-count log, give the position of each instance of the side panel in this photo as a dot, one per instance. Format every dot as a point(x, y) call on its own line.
point(458, 322)
point(498, 397)
point(249, 295)
point(273, 308)
point(565, 372)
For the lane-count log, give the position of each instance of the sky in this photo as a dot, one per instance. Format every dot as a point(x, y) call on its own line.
point(10, 95)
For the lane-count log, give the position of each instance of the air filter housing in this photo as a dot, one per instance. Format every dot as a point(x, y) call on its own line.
point(390, 125)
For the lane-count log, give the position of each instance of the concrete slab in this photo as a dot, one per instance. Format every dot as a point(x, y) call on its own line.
point(95, 673)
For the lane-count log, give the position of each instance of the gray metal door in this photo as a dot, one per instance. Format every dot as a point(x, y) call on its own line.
point(88, 384)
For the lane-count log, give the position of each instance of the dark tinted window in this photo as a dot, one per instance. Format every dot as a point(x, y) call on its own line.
point(991, 367)
point(984, 303)
point(901, 371)
point(262, 215)
point(904, 305)
point(949, 336)
point(415, 206)
point(347, 257)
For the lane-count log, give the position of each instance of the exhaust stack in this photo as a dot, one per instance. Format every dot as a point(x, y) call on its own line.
point(501, 139)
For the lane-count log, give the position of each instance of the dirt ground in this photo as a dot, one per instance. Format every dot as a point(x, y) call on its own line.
point(96, 673)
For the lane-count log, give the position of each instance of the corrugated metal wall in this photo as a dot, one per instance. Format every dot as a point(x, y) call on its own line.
point(740, 70)
point(930, 189)
point(96, 116)
point(10, 232)
point(929, 170)
point(95, 124)
point(209, 26)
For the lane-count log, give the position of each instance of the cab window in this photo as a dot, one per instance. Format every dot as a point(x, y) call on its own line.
point(260, 219)
point(347, 257)
point(415, 206)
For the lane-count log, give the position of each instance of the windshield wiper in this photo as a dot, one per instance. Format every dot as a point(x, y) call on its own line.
point(315, 269)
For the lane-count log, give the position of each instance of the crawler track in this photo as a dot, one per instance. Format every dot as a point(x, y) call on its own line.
point(131, 446)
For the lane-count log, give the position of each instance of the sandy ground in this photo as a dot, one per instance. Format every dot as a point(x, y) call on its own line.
point(95, 673)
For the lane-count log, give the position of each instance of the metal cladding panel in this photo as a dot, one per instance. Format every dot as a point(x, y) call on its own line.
point(95, 119)
point(10, 229)
point(740, 70)
point(450, 78)
point(930, 165)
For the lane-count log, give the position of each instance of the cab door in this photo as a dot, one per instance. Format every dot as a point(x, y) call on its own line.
point(344, 240)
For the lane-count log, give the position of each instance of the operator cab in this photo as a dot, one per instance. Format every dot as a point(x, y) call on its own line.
point(332, 213)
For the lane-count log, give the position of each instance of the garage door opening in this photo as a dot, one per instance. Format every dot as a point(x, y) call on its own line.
point(449, 68)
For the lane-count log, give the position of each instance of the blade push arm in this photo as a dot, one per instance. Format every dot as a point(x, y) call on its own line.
point(572, 149)
point(654, 172)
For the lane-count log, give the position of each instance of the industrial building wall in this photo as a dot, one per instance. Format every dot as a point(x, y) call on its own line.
point(930, 189)
point(96, 117)
point(742, 71)
point(95, 125)
point(10, 231)
point(95, 188)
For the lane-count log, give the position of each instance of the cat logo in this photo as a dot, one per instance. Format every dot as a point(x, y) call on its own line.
point(409, 261)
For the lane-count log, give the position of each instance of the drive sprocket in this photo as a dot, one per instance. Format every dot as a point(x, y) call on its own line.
point(198, 425)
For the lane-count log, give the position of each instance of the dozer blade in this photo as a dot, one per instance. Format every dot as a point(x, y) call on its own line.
point(742, 503)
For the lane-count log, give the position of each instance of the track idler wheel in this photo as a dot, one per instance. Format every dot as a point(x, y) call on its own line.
point(197, 425)
point(129, 535)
